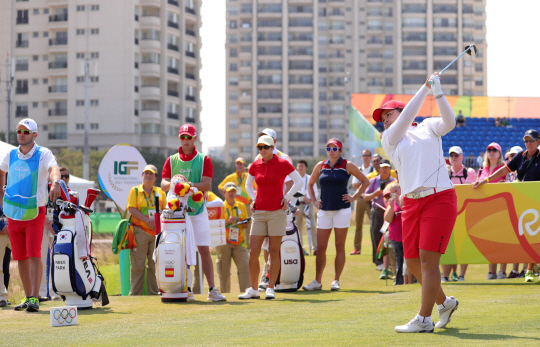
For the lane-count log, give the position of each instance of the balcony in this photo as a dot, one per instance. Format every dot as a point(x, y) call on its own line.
point(190, 32)
point(21, 67)
point(58, 112)
point(58, 89)
point(190, 120)
point(58, 41)
point(190, 54)
point(21, 44)
point(21, 113)
point(172, 93)
point(190, 76)
point(58, 64)
point(190, 98)
point(173, 2)
point(150, 21)
point(171, 115)
point(172, 70)
point(150, 92)
point(22, 20)
point(151, 44)
point(58, 18)
point(150, 69)
point(21, 90)
point(172, 46)
point(188, 10)
point(150, 115)
point(172, 24)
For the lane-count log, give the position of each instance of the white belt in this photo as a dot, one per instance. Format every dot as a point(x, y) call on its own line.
point(424, 193)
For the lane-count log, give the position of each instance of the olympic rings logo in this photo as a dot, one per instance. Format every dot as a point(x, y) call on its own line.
point(168, 262)
point(65, 316)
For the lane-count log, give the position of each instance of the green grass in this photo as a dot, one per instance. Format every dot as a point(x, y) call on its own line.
point(364, 312)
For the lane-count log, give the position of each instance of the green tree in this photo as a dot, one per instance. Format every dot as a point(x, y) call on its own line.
point(221, 170)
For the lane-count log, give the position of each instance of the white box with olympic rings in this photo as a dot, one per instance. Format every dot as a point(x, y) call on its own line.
point(63, 316)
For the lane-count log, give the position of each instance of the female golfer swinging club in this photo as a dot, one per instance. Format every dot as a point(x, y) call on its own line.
point(430, 204)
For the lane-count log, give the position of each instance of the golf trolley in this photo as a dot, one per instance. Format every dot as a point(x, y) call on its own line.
point(75, 276)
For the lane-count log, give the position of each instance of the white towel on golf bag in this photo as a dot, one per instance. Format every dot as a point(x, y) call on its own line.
point(80, 236)
point(191, 249)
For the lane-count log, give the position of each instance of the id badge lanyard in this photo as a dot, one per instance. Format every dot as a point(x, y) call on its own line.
point(151, 211)
point(234, 232)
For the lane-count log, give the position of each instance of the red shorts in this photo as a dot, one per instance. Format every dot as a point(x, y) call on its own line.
point(428, 223)
point(26, 236)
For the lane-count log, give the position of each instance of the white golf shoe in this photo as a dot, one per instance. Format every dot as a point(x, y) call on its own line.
point(335, 285)
point(190, 296)
point(270, 294)
point(215, 295)
point(249, 294)
point(415, 326)
point(314, 285)
point(446, 313)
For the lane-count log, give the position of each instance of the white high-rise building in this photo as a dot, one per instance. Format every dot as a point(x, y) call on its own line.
point(144, 70)
point(293, 64)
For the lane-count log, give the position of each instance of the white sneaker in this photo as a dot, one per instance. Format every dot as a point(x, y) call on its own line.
point(215, 295)
point(415, 326)
point(314, 285)
point(190, 296)
point(380, 267)
point(501, 275)
point(446, 313)
point(249, 294)
point(270, 294)
point(335, 285)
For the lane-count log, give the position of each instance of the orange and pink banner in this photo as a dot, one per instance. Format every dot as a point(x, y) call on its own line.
point(470, 106)
point(496, 223)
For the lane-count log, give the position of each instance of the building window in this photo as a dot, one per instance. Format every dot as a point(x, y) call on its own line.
point(35, 81)
point(45, 34)
point(94, 8)
point(58, 131)
point(79, 126)
point(35, 34)
point(35, 104)
point(79, 103)
point(94, 55)
point(94, 31)
point(80, 31)
point(80, 8)
point(94, 102)
point(94, 126)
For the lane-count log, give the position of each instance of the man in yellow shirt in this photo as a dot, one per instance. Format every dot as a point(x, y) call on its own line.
point(236, 247)
point(239, 179)
point(376, 162)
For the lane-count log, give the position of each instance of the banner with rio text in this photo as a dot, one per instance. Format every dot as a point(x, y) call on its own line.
point(496, 223)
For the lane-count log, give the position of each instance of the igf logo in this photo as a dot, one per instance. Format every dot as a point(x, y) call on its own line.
point(125, 167)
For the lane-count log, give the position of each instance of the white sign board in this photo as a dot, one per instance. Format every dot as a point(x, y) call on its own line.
point(63, 316)
point(217, 232)
point(119, 171)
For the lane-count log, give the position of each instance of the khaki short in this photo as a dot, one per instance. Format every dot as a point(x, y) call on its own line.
point(269, 223)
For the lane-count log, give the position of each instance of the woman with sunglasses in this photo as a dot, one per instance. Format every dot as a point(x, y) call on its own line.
point(430, 202)
point(334, 208)
point(493, 161)
point(269, 211)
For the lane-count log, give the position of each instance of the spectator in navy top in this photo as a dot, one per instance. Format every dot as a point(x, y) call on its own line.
point(335, 208)
point(374, 193)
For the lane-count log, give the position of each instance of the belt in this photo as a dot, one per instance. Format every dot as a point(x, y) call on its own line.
point(424, 193)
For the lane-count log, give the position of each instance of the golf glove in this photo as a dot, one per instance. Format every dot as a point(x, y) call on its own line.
point(436, 86)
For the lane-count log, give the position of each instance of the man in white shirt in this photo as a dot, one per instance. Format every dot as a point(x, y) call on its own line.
point(307, 209)
point(361, 205)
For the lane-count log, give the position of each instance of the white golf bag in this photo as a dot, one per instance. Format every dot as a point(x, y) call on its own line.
point(74, 275)
point(291, 273)
point(175, 249)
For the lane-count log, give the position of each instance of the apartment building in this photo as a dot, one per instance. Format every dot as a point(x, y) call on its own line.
point(144, 70)
point(293, 64)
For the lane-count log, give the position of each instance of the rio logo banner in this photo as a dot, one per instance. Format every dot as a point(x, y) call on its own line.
point(496, 223)
point(63, 316)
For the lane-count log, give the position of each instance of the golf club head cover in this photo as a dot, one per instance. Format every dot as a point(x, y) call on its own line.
point(436, 86)
point(198, 196)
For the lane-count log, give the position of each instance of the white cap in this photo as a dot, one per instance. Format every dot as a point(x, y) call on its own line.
point(516, 150)
point(455, 149)
point(269, 132)
point(30, 124)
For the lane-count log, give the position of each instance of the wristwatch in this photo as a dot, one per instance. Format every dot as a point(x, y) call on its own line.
point(57, 181)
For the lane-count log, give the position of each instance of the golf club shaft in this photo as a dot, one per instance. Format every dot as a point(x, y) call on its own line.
point(452, 62)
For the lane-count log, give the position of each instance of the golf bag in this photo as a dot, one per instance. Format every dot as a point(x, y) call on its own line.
point(175, 247)
point(291, 273)
point(75, 277)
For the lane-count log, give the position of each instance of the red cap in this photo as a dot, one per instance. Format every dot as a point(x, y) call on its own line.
point(390, 105)
point(335, 142)
point(188, 129)
point(494, 145)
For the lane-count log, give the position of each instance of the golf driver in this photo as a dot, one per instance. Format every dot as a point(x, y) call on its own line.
point(470, 50)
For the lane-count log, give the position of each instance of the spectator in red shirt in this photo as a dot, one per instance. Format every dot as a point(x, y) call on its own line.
point(269, 206)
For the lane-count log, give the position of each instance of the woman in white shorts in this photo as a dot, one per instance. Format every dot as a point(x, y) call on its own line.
point(334, 208)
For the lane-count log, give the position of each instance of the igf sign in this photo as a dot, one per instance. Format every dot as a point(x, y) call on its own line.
point(125, 167)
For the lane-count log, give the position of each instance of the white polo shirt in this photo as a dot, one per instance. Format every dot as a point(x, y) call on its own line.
point(46, 161)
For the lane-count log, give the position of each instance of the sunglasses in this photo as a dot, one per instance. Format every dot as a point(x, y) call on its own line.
point(492, 150)
point(25, 132)
point(529, 141)
point(454, 155)
point(260, 148)
point(185, 137)
point(366, 155)
point(64, 176)
point(335, 149)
